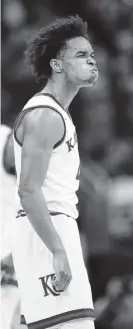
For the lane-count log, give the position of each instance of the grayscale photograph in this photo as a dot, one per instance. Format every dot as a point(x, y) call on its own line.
point(66, 164)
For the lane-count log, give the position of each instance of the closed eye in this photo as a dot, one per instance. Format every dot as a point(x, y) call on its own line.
point(92, 55)
point(85, 54)
point(81, 54)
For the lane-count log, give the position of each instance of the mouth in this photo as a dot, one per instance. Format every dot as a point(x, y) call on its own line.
point(95, 70)
point(94, 76)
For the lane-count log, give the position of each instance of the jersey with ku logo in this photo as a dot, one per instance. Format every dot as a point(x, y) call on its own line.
point(62, 179)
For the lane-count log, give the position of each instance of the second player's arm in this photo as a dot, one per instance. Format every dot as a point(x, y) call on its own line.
point(41, 133)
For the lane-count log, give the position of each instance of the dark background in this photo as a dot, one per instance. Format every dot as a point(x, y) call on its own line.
point(103, 116)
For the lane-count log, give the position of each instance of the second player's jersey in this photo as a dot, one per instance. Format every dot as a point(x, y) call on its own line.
point(62, 179)
point(8, 183)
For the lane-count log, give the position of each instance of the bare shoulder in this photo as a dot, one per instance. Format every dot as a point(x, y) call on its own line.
point(45, 125)
point(43, 128)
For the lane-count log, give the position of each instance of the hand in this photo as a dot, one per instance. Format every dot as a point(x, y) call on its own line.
point(62, 270)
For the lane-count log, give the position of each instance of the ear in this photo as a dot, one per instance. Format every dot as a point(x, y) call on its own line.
point(56, 65)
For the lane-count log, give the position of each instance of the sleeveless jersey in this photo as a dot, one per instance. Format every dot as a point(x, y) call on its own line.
point(62, 177)
point(8, 183)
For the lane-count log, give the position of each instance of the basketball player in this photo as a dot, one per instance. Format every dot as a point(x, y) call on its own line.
point(10, 300)
point(52, 278)
point(8, 187)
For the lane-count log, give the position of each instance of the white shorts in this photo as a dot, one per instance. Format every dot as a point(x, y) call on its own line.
point(10, 315)
point(42, 306)
point(77, 324)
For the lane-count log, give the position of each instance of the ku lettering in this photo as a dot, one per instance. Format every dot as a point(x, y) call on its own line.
point(47, 286)
point(71, 142)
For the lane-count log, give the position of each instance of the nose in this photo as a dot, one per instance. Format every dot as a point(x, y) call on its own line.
point(91, 61)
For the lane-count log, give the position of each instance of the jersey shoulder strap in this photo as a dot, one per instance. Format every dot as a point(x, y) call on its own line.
point(41, 101)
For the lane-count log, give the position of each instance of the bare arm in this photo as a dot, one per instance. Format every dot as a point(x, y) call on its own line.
point(8, 156)
point(42, 132)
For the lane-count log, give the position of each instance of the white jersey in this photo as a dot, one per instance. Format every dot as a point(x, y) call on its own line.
point(8, 183)
point(62, 178)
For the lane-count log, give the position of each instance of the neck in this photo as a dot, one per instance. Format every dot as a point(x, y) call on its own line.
point(63, 91)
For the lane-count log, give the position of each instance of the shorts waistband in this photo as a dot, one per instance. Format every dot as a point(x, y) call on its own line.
point(22, 213)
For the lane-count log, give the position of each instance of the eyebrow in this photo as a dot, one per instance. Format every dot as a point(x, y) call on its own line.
point(85, 51)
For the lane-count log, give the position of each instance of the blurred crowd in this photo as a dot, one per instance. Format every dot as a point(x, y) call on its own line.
point(103, 116)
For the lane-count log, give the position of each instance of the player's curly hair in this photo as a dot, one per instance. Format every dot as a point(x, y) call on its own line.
point(50, 40)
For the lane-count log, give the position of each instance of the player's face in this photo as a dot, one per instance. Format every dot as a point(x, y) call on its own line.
point(79, 64)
